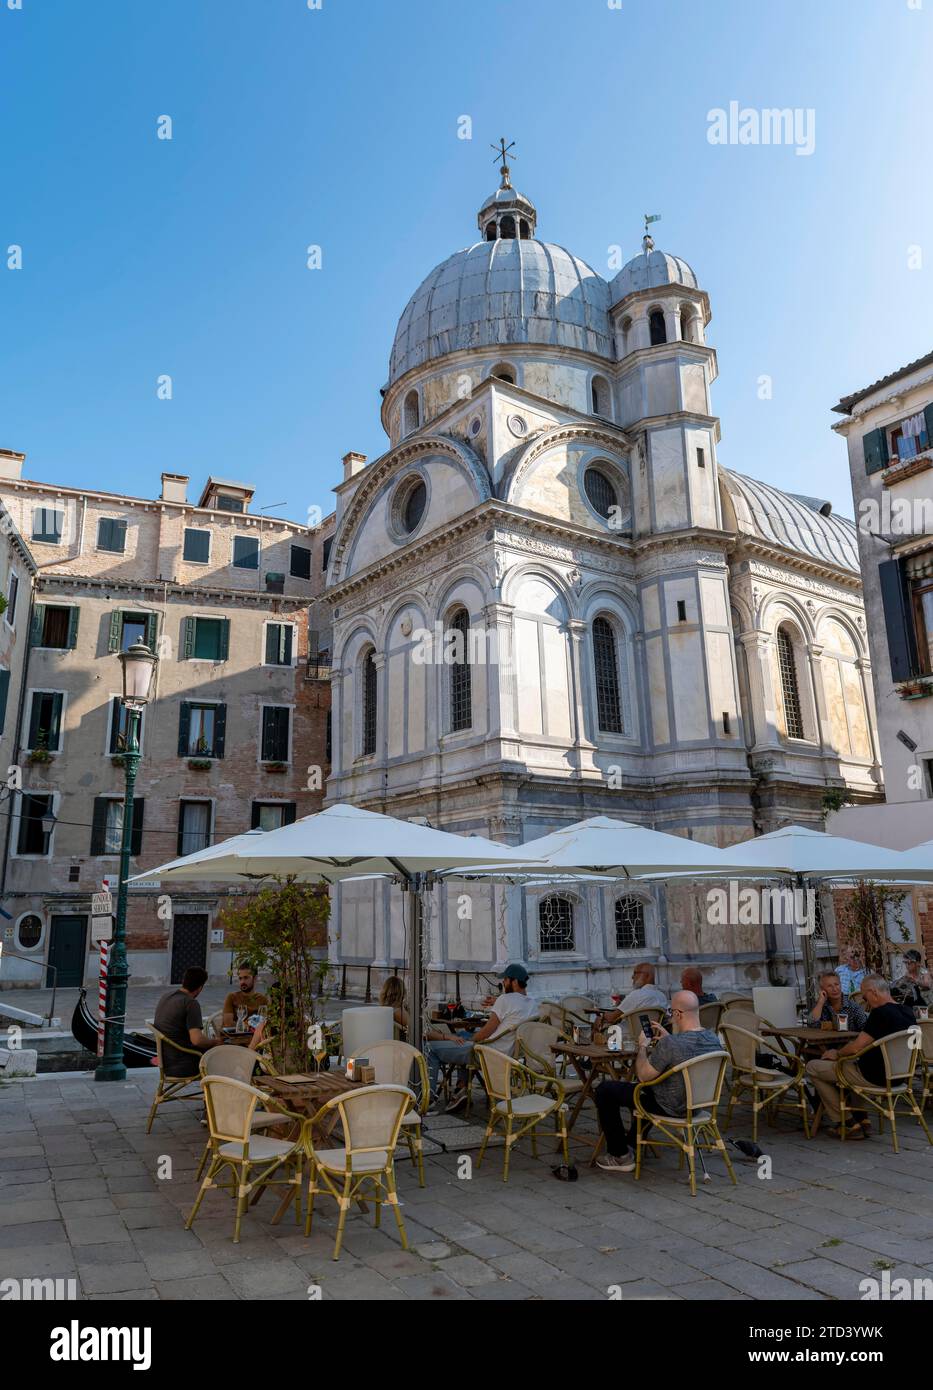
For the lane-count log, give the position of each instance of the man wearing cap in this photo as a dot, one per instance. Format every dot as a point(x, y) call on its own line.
point(511, 1008)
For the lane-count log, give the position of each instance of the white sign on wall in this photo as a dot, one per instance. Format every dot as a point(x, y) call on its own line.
point(101, 929)
point(101, 904)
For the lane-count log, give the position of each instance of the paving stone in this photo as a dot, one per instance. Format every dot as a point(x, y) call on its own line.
point(437, 1250)
point(826, 1277)
point(760, 1283)
point(36, 1261)
point(469, 1271)
point(20, 1213)
point(32, 1233)
point(709, 1289)
point(148, 1295)
point(87, 1206)
point(179, 1265)
point(392, 1263)
point(79, 1189)
point(433, 1286)
point(113, 1278)
point(96, 1230)
point(268, 1278)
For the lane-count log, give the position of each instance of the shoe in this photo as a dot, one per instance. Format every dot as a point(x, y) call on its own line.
point(610, 1164)
point(457, 1099)
point(852, 1132)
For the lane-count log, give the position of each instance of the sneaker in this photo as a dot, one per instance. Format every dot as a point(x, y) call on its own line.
point(457, 1099)
point(610, 1164)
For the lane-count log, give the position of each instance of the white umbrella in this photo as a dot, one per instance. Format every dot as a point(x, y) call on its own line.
point(602, 847)
point(344, 842)
point(814, 854)
point(919, 858)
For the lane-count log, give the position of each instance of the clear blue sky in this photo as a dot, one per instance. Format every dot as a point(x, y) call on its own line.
point(338, 127)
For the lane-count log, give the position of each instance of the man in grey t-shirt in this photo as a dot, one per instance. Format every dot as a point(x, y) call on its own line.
point(689, 1039)
point(178, 1019)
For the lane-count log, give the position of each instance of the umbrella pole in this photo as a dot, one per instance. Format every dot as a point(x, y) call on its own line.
point(809, 965)
point(415, 961)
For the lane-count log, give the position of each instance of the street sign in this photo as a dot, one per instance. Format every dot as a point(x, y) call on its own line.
point(101, 929)
point(101, 904)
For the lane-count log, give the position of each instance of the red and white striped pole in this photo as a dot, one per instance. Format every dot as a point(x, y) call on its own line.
point(102, 996)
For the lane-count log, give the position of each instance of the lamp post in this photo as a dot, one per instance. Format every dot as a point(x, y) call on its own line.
point(138, 666)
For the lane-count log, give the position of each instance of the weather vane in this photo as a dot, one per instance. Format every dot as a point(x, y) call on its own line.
point(648, 239)
point(502, 151)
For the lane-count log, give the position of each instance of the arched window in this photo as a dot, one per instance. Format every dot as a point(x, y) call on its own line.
point(368, 704)
point(630, 924)
point(490, 231)
point(656, 327)
point(787, 661)
point(599, 394)
point(525, 230)
point(555, 924)
point(412, 412)
point(626, 327)
point(502, 371)
point(461, 676)
point(600, 491)
point(507, 227)
point(606, 664)
point(687, 326)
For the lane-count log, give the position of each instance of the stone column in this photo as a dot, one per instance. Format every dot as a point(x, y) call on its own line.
point(500, 681)
point(758, 646)
point(823, 729)
point(583, 748)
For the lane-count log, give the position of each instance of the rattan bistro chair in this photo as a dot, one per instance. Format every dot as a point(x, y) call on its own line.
point(172, 1087)
point(518, 1102)
point(371, 1118)
point(577, 1008)
point(231, 1106)
point(926, 1059)
point(393, 1063)
point(711, 1014)
point(239, 1063)
point(633, 1021)
point(534, 1044)
point(770, 1088)
point(703, 1079)
point(900, 1052)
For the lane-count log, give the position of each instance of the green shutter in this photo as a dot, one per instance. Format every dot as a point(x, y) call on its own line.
point(188, 637)
point(224, 639)
point(928, 417)
point(286, 645)
point(4, 694)
point(73, 617)
point(875, 446)
point(136, 834)
point(34, 720)
point(254, 816)
point(152, 630)
point(184, 724)
point(288, 813)
point(116, 705)
point(272, 644)
point(35, 630)
point(55, 723)
point(220, 730)
point(898, 620)
point(116, 623)
point(99, 824)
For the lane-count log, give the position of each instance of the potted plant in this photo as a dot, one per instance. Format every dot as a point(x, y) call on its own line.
point(276, 767)
point(200, 764)
point(41, 754)
point(118, 760)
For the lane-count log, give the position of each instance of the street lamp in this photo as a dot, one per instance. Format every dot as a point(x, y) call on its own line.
point(138, 664)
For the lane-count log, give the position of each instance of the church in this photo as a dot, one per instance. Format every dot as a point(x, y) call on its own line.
point(550, 602)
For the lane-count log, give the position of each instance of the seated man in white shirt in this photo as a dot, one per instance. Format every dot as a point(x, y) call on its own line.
point(511, 1008)
point(644, 994)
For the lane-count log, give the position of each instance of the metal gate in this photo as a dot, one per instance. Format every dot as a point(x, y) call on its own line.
point(189, 942)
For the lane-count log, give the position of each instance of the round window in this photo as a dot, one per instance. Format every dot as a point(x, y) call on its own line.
point(600, 491)
point(30, 932)
point(410, 507)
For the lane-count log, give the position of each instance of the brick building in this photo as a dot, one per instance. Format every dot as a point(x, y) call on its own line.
point(234, 737)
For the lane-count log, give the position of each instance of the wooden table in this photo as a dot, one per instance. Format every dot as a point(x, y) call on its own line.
point(605, 1064)
point(305, 1096)
point(454, 1023)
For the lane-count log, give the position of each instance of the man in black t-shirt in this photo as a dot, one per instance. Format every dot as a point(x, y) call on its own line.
point(178, 1017)
point(884, 1018)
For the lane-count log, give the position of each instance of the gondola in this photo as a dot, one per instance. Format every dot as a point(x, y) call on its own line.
point(138, 1050)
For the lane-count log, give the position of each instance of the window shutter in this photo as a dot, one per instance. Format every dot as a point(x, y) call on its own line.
point(267, 726)
point(99, 824)
point(116, 622)
point(875, 446)
point(34, 720)
point(115, 706)
point(272, 644)
point(152, 630)
point(281, 735)
point(73, 617)
point(136, 835)
point(898, 620)
point(285, 648)
point(35, 631)
point(288, 813)
point(224, 639)
point(254, 816)
point(188, 636)
point(184, 724)
point(181, 828)
point(4, 694)
point(220, 730)
point(928, 417)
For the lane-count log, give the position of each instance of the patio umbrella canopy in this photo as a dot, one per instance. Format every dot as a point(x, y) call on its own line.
point(609, 848)
point(814, 854)
point(917, 859)
point(338, 843)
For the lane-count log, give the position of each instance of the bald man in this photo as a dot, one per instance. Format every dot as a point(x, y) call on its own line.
point(689, 1039)
point(644, 994)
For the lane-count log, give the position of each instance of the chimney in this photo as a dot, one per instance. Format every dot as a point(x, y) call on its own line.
point(352, 464)
point(11, 464)
point(174, 487)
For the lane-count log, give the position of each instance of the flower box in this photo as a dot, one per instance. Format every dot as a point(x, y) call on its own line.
point(276, 767)
point(118, 760)
point(200, 764)
point(915, 690)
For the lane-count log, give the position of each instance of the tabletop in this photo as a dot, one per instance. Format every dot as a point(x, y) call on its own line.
point(811, 1035)
point(306, 1094)
point(594, 1051)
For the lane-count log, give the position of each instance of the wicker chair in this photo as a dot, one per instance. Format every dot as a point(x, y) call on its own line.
point(703, 1079)
point(231, 1106)
point(633, 1023)
point(371, 1119)
point(900, 1053)
point(516, 1098)
point(767, 1085)
point(578, 1008)
point(172, 1087)
point(239, 1063)
point(551, 1012)
point(393, 1063)
point(534, 1044)
point(926, 1059)
point(711, 1015)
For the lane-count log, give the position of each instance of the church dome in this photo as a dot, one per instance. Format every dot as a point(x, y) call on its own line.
point(651, 270)
point(500, 292)
point(803, 524)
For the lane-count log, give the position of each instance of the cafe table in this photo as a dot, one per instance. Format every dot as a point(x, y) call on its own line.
point(305, 1093)
point(817, 1039)
point(604, 1065)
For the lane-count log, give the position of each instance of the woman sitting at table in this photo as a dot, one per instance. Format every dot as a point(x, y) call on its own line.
point(831, 1002)
point(392, 996)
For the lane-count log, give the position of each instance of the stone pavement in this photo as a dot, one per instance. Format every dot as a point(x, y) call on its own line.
point(80, 1197)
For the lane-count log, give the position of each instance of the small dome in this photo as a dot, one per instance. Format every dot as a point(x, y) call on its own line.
point(651, 270)
point(500, 292)
point(804, 524)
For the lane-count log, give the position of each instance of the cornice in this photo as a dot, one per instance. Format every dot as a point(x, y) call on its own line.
point(169, 589)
